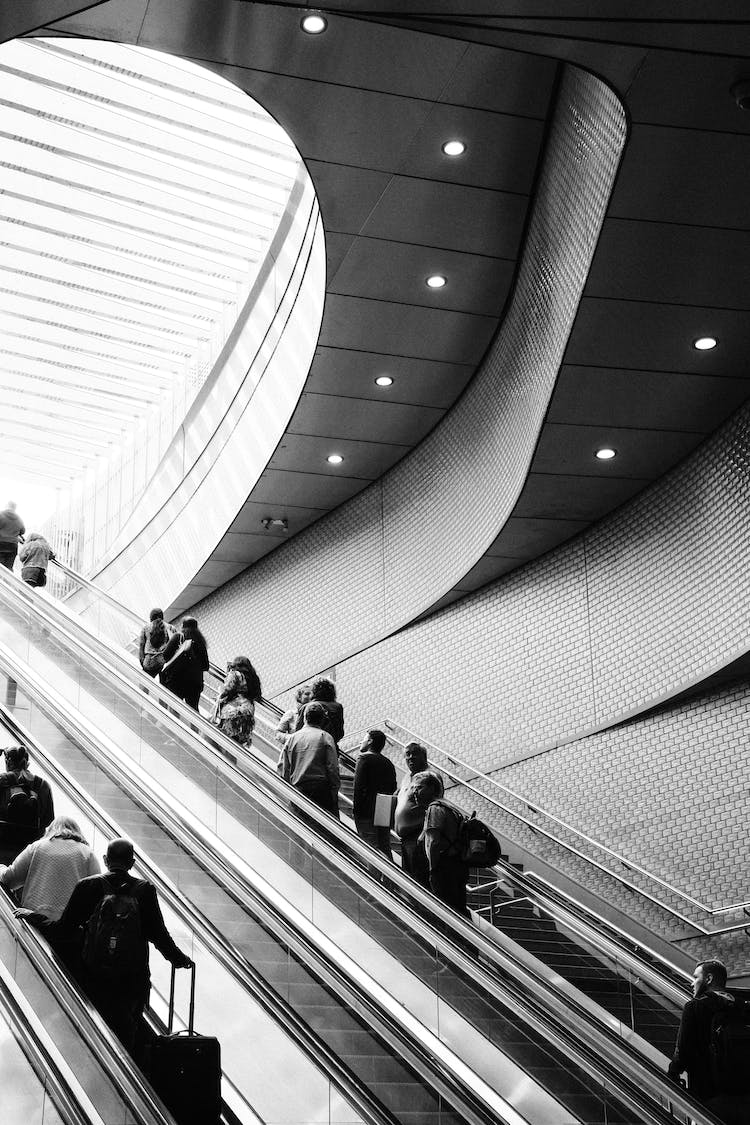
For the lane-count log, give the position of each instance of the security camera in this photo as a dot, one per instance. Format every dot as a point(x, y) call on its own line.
point(741, 94)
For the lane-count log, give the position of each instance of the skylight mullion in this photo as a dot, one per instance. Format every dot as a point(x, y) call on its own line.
point(136, 345)
point(43, 364)
point(19, 298)
point(48, 334)
point(65, 282)
point(90, 391)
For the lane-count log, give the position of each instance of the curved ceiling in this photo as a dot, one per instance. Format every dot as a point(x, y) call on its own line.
point(139, 195)
point(369, 104)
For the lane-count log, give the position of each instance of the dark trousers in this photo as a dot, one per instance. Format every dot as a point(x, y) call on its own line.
point(320, 794)
point(121, 1005)
point(379, 838)
point(8, 555)
point(414, 860)
point(448, 882)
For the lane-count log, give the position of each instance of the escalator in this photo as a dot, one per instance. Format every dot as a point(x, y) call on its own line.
point(488, 1014)
point(58, 1061)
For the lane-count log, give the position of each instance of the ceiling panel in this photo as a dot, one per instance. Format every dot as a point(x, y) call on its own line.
point(363, 419)
point(306, 490)
point(346, 195)
point(363, 128)
point(501, 150)
point(215, 573)
point(597, 396)
point(387, 271)
point(652, 337)
point(379, 326)
point(524, 538)
point(363, 459)
point(353, 373)
point(505, 81)
point(693, 177)
point(337, 248)
point(640, 453)
point(672, 263)
point(248, 521)
point(453, 216)
point(558, 496)
point(352, 53)
point(689, 90)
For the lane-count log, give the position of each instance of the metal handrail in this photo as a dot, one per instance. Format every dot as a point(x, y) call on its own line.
point(55, 1075)
point(117, 1064)
point(595, 1036)
point(392, 725)
point(242, 970)
point(629, 1066)
point(426, 1053)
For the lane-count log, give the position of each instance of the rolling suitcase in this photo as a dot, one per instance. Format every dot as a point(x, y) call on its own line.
point(186, 1068)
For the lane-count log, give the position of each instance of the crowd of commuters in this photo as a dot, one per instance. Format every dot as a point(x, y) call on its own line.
point(57, 879)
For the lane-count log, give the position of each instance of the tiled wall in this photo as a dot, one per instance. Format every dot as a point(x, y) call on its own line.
point(373, 565)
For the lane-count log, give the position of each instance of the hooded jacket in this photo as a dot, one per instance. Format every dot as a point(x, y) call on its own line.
point(693, 1048)
point(36, 551)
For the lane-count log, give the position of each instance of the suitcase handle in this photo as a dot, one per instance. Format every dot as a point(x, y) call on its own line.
point(191, 1010)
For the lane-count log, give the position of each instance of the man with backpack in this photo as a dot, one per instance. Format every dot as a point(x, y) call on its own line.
point(26, 805)
point(713, 1046)
point(441, 836)
point(110, 919)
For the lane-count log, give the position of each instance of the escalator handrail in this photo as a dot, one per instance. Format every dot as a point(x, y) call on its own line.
point(391, 724)
point(604, 1045)
point(242, 970)
point(478, 1102)
point(117, 1064)
point(54, 1073)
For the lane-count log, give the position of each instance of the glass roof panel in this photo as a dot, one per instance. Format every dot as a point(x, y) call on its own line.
point(140, 194)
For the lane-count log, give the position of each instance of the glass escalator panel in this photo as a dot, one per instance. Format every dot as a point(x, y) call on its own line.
point(264, 838)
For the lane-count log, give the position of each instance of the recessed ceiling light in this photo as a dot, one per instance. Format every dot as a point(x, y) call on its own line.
point(314, 24)
point(335, 458)
point(705, 343)
point(384, 380)
point(437, 281)
point(454, 148)
point(606, 453)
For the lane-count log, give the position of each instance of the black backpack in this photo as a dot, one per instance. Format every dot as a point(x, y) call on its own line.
point(114, 944)
point(730, 1046)
point(476, 845)
point(20, 803)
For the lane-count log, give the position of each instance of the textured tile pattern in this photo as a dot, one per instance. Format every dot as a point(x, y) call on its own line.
point(392, 552)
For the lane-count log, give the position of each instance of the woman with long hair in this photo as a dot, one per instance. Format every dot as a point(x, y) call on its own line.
point(324, 692)
point(287, 724)
point(185, 661)
point(47, 870)
point(235, 707)
point(153, 643)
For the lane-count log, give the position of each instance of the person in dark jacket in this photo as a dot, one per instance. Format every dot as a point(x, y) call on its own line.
point(693, 1047)
point(185, 661)
point(120, 995)
point(324, 692)
point(11, 531)
point(26, 804)
point(373, 774)
point(34, 557)
point(442, 825)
